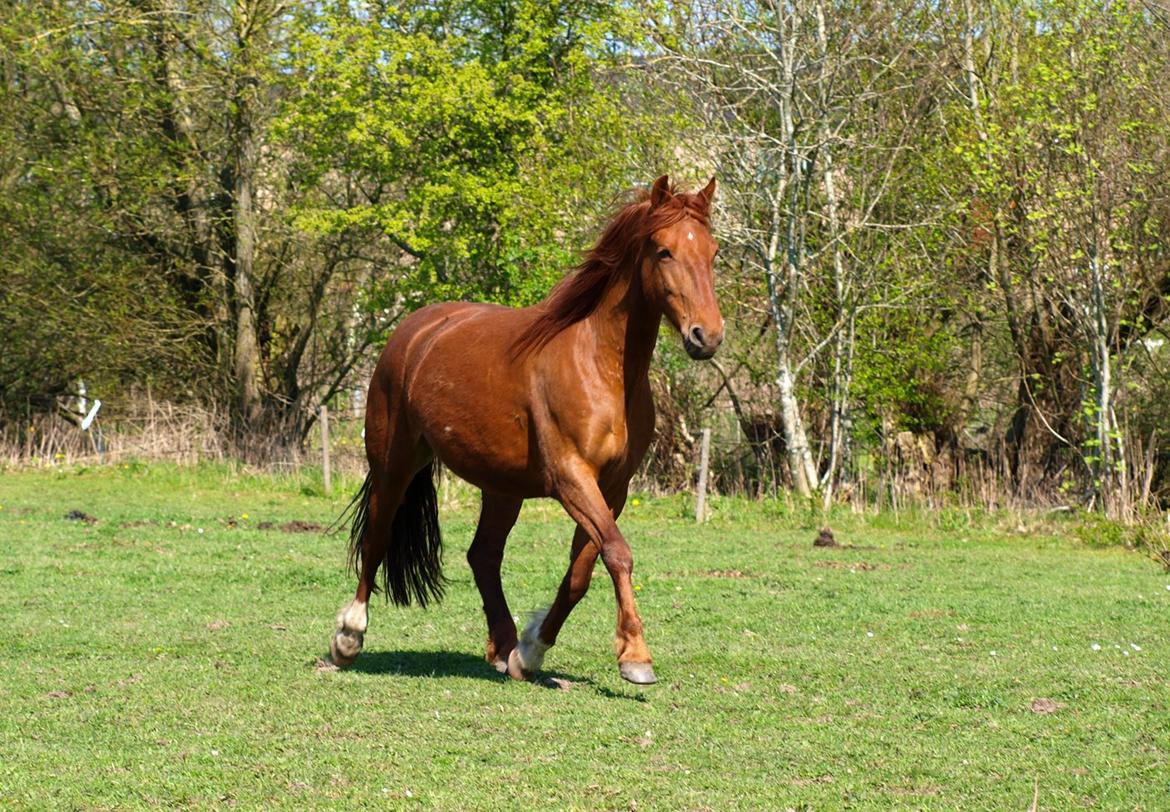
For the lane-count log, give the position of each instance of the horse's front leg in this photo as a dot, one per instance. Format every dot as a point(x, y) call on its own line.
point(583, 500)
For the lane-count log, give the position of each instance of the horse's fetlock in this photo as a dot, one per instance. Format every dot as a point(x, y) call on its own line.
point(354, 617)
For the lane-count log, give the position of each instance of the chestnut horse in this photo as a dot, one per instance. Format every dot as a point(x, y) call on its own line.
point(549, 400)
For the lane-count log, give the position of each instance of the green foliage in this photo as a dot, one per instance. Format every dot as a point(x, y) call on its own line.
point(1100, 531)
point(400, 154)
point(78, 299)
point(477, 133)
point(905, 363)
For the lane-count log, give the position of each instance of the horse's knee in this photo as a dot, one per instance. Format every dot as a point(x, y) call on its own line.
point(618, 559)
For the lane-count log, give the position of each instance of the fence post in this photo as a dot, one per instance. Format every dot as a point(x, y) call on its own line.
point(701, 500)
point(326, 473)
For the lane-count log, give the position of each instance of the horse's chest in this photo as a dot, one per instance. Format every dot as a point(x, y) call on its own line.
point(614, 442)
point(618, 434)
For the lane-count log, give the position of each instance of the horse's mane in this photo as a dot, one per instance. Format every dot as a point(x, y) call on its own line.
point(575, 297)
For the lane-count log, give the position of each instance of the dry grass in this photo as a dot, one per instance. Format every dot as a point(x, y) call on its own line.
point(140, 429)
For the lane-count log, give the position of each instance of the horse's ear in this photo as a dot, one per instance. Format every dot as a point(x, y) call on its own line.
point(660, 192)
point(708, 192)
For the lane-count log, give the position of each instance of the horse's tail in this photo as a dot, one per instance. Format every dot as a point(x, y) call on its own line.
point(412, 561)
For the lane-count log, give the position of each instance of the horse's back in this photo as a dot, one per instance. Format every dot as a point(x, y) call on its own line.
point(450, 368)
point(412, 340)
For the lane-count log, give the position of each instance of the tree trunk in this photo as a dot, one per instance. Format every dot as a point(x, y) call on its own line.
point(846, 317)
point(246, 344)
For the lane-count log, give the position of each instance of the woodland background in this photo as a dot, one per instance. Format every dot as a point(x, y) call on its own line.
point(944, 224)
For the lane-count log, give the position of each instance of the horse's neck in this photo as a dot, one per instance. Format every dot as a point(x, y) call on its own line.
point(627, 327)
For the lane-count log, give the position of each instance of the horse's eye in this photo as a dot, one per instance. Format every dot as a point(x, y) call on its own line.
point(664, 253)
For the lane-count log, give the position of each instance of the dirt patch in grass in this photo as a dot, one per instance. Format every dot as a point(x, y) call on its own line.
point(863, 566)
point(915, 789)
point(825, 539)
point(294, 526)
point(1044, 705)
point(819, 779)
point(930, 613)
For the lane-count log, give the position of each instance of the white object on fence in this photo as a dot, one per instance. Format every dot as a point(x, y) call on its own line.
point(326, 473)
point(88, 421)
point(701, 497)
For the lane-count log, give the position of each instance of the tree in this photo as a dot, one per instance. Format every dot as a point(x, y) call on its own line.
point(786, 89)
point(474, 137)
point(292, 178)
point(1063, 146)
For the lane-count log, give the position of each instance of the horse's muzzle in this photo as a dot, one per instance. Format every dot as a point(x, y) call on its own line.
point(701, 345)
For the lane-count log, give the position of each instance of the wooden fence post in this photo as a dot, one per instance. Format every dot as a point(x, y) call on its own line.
point(701, 499)
point(326, 473)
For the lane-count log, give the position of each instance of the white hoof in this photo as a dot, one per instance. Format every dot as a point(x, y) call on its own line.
point(345, 646)
point(352, 622)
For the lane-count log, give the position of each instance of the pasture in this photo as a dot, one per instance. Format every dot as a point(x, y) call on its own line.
point(166, 654)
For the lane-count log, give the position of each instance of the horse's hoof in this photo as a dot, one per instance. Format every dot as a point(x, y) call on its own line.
point(514, 669)
point(345, 647)
point(638, 673)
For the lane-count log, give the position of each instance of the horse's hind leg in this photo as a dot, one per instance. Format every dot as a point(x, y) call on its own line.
point(384, 491)
point(497, 516)
point(384, 496)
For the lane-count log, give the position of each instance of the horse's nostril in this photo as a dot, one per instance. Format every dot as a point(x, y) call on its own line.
point(697, 336)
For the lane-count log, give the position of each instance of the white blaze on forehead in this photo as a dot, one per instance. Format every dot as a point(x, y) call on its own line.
point(690, 235)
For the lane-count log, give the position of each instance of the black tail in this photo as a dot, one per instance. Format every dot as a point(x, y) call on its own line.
point(412, 564)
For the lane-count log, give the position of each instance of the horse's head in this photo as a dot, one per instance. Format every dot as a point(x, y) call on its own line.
point(677, 266)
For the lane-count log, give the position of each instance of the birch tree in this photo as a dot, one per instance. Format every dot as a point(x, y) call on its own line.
point(784, 88)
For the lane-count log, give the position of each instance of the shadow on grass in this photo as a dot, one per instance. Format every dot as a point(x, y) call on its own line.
point(461, 664)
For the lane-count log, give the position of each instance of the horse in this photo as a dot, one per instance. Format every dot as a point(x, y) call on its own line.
point(551, 400)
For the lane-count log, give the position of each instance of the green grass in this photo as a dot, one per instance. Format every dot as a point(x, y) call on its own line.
point(147, 663)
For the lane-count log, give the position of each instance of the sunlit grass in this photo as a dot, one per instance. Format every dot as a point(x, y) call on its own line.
point(166, 655)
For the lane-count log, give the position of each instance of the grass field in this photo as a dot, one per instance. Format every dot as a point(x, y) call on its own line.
point(166, 655)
